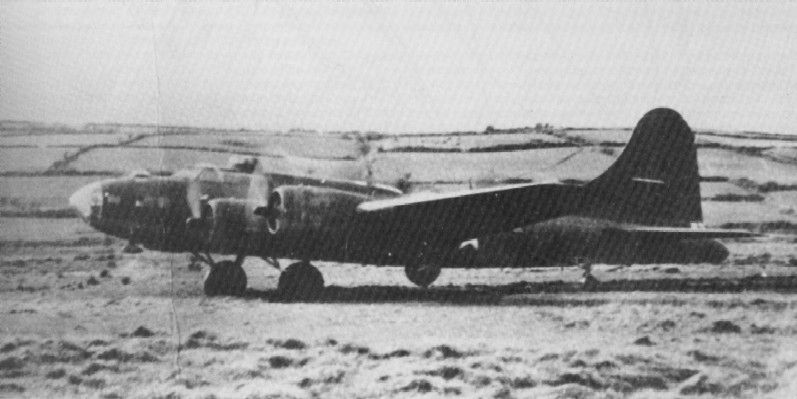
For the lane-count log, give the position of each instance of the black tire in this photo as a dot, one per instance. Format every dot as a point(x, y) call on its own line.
point(226, 278)
point(422, 274)
point(300, 280)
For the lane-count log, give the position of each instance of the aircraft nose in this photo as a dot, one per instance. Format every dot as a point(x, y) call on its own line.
point(87, 200)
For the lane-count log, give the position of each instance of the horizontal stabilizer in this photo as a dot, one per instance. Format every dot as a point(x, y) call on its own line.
point(683, 232)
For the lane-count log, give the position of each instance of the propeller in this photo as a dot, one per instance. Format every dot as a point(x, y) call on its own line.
point(273, 212)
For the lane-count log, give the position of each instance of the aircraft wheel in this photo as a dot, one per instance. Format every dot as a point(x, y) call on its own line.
point(422, 274)
point(300, 280)
point(226, 278)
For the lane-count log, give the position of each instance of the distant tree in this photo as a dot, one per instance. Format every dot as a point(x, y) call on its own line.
point(607, 151)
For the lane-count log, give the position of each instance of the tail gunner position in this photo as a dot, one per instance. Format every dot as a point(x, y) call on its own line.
point(645, 208)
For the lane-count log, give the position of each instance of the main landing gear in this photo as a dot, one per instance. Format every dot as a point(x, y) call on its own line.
point(590, 283)
point(300, 280)
point(225, 278)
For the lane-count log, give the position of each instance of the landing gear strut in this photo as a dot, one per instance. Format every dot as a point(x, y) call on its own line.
point(589, 281)
point(300, 280)
point(225, 278)
point(132, 246)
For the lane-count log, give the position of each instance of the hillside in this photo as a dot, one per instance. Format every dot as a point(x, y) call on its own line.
point(749, 177)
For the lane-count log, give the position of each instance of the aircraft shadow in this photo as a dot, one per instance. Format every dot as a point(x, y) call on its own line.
point(502, 294)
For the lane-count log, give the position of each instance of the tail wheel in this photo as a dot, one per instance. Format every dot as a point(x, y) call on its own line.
point(300, 280)
point(422, 274)
point(226, 278)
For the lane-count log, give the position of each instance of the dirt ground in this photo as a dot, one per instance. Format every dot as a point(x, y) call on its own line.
point(81, 319)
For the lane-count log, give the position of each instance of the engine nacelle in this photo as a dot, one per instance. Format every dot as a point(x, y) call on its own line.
point(231, 223)
point(310, 212)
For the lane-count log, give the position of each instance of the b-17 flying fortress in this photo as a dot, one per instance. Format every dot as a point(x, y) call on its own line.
point(645, 208)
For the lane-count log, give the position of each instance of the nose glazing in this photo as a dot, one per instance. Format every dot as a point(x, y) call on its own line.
point(87, 200)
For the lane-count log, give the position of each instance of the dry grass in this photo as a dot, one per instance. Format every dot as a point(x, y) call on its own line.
point(83, 319)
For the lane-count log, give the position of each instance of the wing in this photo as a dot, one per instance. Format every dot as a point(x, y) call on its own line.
point(472, 213)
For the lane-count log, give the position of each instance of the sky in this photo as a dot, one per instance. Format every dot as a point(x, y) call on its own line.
point(399, 66)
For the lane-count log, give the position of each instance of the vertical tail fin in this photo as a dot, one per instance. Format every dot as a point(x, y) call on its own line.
point(655, 180)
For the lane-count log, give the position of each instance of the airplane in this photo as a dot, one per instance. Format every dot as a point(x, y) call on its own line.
point(645, 208)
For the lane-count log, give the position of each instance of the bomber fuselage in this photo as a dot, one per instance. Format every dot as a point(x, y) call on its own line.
point(207, 209)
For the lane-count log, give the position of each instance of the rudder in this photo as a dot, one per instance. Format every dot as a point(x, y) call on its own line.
point(655, 180)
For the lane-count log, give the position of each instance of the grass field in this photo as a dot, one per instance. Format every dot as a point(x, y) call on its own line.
point(744, 142)
point(600, 135)
point(464, 143)
point(36, 230)
point(712, 189)
point(55, 140)
point(42, 192)
point(82, 319)
point(30, 159)
point(723, 162)
point(305, 145)
point(531, 164)
point(121, 159)
point(782, 154)
point(340, 156)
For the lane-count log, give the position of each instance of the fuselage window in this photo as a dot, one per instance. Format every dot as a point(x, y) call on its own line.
point(112, 199)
